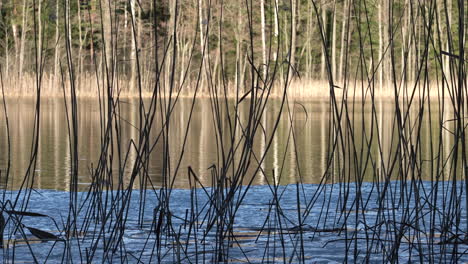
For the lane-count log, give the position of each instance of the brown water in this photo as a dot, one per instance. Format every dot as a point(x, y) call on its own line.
point(291, 158)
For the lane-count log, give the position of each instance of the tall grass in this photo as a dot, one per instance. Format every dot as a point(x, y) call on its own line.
point(298, 89)
point(394, 214)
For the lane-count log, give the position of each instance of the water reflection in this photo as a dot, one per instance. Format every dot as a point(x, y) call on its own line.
point(299, 152)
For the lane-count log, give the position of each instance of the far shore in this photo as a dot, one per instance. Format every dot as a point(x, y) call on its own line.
point(296, 90)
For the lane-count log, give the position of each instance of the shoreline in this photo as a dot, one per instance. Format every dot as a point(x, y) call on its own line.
point(305, 90)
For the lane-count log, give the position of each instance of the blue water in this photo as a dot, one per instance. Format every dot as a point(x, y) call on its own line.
point(334, 228)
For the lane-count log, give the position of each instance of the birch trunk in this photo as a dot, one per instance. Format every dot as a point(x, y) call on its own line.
point(334, 41)
point(344, 30)
point(308, 61)
point(293, 38)
point(137, 47)
point(124, 65)
point(262, 14)
point(107, 35)
point(23, 39)
point(404, 32)
point(388, 40)
point(322, 57)
point(14, 29)
point(239, 52)
point(202, 43)
point(447, 46)
point(380, 47)
point(133, 59)
point(39, 26)
point(7, 55)
point(238, 48)
point(80, 48)
point(69, 36)
point(56, 44)
point(276, 29)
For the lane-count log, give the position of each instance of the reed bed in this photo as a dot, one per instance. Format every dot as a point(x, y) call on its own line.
point(298, 89)
point(395, 216)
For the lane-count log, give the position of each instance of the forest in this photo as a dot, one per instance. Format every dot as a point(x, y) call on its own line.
point(306, 43)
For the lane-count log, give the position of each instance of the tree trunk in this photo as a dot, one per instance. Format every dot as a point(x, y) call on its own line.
point(7, 54)
point(14, 29)
point(276, 28)
point(322, 57)
point(80, 48)
point(39, 25)
point(344, 30)
point(388, 40)
point(107, 36)
point(447, 47)
point(380, 47)
point(125, 50)
point(56, 44)
point(202, 43)
point(293, 38)
point(5, 66)
point(133, 59)
point(262, 14)
point(68, 25)
point(439, 31)
point(334, 42)
point(23, 39)
point(239, 54)
point(137, 48)
point(404, 34)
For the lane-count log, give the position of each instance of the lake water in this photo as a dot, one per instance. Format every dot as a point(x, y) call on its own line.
point(364, 236)
point(297, 154)
point(401, 220)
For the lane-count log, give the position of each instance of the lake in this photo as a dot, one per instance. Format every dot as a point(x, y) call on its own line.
point(299, 150)
point(375, 185)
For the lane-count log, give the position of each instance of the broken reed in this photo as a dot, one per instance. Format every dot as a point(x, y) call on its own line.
point(397, 179)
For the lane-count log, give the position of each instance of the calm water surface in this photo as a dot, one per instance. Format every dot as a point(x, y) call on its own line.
point(301, 155)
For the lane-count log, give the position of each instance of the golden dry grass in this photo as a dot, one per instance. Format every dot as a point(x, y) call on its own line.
point(87, 86)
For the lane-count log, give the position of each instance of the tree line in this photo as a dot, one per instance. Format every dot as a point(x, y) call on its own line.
point(216, 42)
